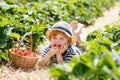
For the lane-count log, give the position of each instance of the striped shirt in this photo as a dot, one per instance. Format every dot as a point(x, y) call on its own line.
point(67, 55)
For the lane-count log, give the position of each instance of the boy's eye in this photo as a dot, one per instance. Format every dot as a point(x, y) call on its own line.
point(61, 38)
point(54, 37)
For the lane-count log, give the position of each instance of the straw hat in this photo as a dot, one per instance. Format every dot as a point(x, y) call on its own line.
point(63, 27)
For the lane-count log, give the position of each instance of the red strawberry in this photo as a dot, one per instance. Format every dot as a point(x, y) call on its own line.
point(54, 45)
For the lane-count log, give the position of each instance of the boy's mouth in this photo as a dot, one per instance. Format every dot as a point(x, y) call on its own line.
point(57, 45)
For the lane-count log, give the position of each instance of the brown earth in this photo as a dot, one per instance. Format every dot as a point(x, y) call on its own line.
point(111, 15)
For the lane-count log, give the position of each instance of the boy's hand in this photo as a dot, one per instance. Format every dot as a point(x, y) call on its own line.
point(53, 50)
point(63, 48)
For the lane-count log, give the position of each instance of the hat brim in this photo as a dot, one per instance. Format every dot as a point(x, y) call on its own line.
point(48, 33)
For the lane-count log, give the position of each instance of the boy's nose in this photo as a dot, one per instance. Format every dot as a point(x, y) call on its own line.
point(57, 40)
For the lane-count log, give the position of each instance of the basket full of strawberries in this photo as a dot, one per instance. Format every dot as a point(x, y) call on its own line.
point(21, 57)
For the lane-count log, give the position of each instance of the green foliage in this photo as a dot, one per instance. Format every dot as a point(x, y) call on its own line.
point(16, 20)
point(20, 16)
point(101, 60)
point(110, 36)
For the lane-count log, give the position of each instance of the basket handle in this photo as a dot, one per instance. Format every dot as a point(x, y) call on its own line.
point(31, 42)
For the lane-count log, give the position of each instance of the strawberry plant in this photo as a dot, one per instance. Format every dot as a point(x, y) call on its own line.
point(14, 22)
point(99, 62)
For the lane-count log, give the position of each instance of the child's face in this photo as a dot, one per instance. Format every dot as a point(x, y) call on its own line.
point(58, 40)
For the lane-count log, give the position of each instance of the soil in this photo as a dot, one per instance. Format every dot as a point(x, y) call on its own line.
point(111, 15)
point(8, 73)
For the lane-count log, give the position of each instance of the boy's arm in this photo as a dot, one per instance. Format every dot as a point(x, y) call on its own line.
point(63, 48)
point(45, 60)
point(59, 58)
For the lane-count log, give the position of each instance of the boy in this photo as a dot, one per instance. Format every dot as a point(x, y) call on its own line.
point(61, 48)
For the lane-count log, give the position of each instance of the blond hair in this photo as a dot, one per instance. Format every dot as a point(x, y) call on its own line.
point(69, 41)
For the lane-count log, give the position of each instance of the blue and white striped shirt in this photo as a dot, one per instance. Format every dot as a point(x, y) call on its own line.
point(67, 55)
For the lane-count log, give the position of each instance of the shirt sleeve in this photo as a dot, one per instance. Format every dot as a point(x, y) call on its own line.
point(77, 50)
point(44, 52)
point(72, 51)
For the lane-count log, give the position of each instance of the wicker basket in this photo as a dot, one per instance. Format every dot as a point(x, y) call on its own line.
point(22, 61)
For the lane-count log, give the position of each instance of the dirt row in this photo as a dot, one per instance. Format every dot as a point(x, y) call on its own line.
point(111, 15)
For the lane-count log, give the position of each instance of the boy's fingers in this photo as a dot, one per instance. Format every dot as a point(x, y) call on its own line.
point(65, 46)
